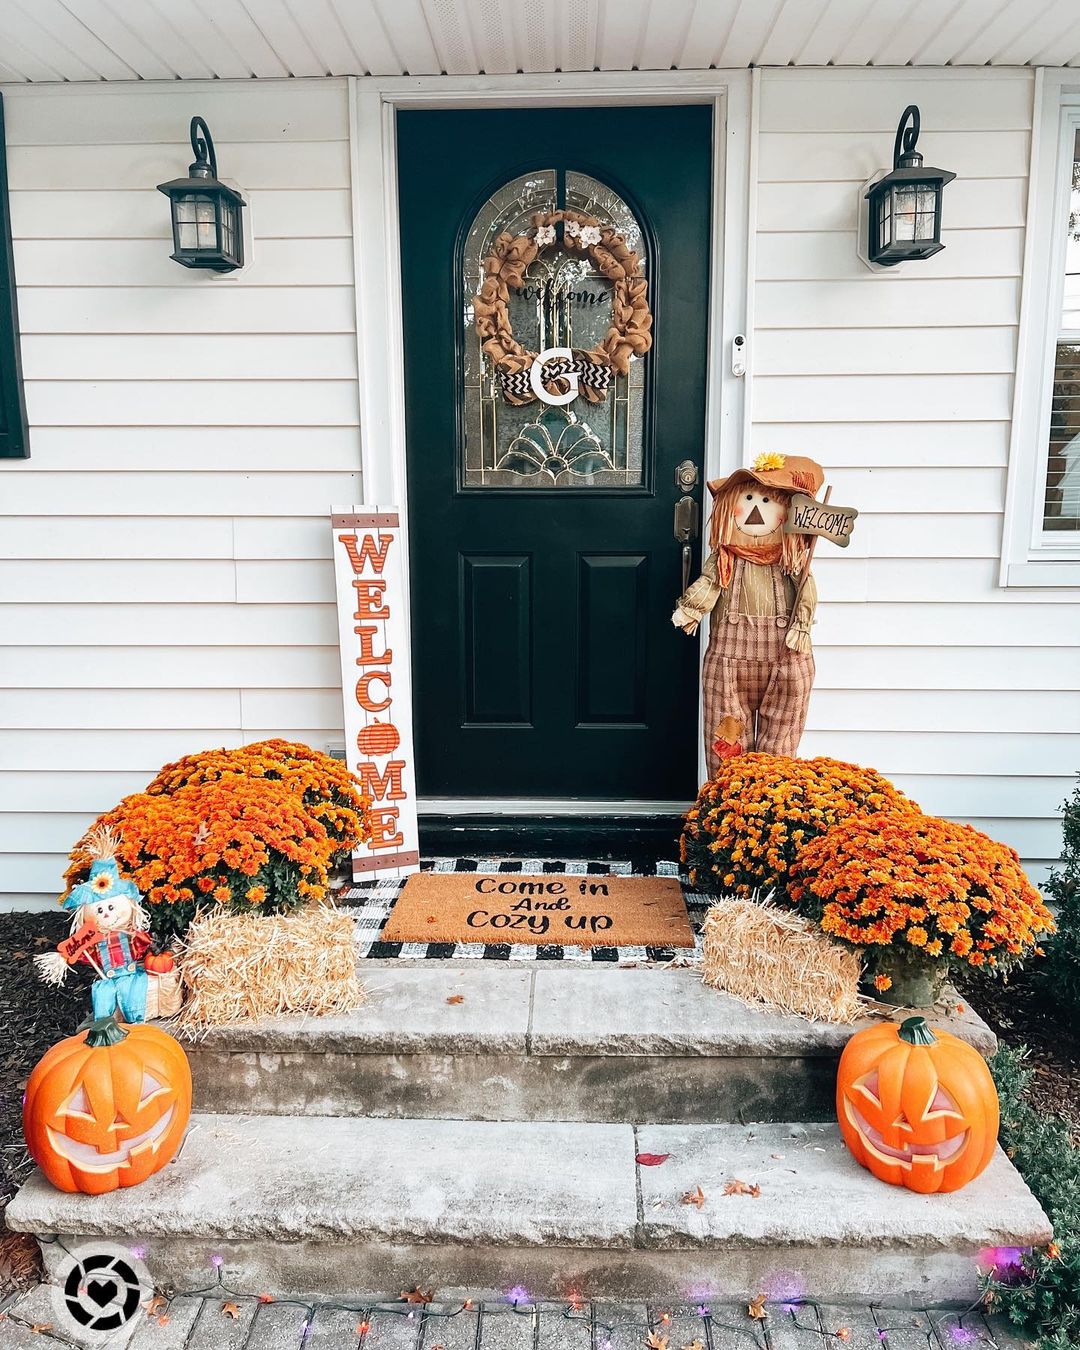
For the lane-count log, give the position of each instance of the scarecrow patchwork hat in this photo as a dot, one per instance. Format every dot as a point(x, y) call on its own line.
point(104, 883)
point(787, 473)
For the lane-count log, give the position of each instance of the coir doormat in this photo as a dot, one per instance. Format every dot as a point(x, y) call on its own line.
point(584, 911)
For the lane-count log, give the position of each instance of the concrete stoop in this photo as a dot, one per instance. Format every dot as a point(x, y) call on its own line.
point(343, 1206)
point(543, 1042)
point(475, 1127)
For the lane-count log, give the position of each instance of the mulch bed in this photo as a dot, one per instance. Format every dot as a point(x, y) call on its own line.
point(1020, 1014)
point(34, 1016)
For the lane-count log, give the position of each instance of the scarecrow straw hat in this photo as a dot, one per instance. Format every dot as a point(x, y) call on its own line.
point(787, 473)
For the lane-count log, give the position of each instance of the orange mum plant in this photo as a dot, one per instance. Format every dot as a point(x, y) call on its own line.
point(757, 811)
point(916, 887)
point(261, 826)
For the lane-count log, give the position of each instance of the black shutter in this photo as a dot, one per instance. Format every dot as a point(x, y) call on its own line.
point(14, 433)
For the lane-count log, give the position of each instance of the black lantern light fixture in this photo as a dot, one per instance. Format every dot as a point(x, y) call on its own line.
point(207, 219)
point(904, 216)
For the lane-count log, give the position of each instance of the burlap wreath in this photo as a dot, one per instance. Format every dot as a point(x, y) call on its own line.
point(630, 333)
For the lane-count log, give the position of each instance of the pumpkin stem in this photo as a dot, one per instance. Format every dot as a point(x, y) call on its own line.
point(916, 1031)
point(102, 1032)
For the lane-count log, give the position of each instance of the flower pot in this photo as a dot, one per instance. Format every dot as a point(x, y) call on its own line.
point(916, 980)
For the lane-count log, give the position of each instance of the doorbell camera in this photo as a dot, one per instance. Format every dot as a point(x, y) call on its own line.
point(738, 355)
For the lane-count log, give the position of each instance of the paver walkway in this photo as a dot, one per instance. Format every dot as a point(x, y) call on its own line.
point(218, 1322)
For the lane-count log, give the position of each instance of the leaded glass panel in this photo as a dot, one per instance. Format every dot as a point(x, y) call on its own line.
point(565, 302)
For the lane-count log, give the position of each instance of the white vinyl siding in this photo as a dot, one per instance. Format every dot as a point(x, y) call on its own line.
point(902, 385)
point(165, 575)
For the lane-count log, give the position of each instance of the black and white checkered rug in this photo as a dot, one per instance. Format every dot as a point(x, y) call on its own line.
point(372, 901)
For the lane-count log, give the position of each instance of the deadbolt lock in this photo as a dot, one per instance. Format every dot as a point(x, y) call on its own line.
point(686, 476)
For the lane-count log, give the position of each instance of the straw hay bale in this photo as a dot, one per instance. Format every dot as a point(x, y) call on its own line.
point(766, 955)
point(247, 967)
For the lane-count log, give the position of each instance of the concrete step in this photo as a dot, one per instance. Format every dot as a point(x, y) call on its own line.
point(347, 1206)
point(487, 1041)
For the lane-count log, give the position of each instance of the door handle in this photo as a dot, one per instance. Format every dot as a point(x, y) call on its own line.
point(687, 523)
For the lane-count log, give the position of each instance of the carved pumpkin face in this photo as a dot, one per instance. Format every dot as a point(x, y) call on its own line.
point(107, 1107)
point(917, 1107)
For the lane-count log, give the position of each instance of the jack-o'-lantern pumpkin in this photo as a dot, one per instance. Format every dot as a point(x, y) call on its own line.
point(917, 1107)
point(107, 1107)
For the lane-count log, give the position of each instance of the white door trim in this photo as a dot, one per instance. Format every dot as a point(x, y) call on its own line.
point(373, 104)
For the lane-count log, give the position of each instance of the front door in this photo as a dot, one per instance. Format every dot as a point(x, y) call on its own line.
point(543, 561)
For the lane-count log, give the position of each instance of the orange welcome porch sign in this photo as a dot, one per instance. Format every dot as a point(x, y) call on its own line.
point(374, 640)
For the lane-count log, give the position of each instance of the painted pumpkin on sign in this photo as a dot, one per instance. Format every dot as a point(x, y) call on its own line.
point(917, 1107)
point(380, 738)
point(107, 1107)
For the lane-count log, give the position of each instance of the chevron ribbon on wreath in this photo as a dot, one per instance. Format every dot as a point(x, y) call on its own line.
point(630, 332)
point(517, 387)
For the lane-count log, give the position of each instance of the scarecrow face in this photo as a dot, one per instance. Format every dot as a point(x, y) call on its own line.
point(111, 915)
point(758, 511)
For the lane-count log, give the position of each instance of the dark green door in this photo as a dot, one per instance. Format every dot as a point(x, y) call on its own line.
point(543, 563)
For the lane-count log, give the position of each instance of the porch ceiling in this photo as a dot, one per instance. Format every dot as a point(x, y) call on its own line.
point(80, 40)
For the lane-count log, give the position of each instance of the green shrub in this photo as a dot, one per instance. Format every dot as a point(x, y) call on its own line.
point(1041, 1296)
point(1060, 972)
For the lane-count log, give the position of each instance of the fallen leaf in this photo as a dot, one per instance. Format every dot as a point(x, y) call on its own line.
point(756, 1308)
point(696, 1197)
point(157, 1305)
point(163, 1321)
point(844, 1333)
point(651, 1159)
point(694, 1345)
point(19, 956)
point(230, 1310)
point(456, 998)
point(42, 941)
point(39, 1328)
point(654, 1341)
point(417, 1295)
point(266, 1298)
point(737, 1187)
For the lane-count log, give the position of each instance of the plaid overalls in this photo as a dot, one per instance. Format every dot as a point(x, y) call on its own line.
point(750, 673)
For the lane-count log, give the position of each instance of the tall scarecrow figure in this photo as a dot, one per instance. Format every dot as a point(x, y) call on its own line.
point(109, 933)
point(759, 665)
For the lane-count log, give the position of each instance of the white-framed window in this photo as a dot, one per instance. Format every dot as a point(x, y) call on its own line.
point(1041, 542)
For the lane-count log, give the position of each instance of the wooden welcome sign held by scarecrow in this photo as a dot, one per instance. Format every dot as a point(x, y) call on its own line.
point(756, 585)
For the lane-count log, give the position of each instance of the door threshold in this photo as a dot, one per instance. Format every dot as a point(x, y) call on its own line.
point(570, 832)
point(546, 806)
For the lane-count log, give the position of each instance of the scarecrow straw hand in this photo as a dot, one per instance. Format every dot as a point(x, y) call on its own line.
point(52, 968)
point(798, 639)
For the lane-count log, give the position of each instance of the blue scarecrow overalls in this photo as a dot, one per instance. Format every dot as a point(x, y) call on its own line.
point(121, 985)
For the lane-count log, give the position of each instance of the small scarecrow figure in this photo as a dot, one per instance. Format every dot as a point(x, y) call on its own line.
point(109, 933)
point(759, 665)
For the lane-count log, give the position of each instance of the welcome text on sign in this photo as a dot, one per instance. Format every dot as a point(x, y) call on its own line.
point(374, 676)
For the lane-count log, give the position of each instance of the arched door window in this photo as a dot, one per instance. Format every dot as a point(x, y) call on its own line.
point(566, 302)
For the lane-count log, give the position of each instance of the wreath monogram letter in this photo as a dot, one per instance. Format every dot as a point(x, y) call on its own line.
point(588, 372)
